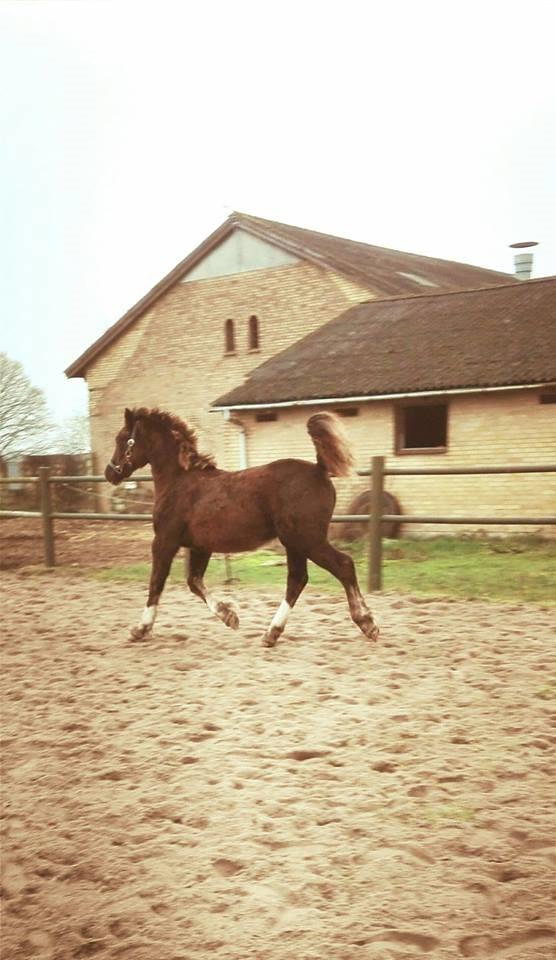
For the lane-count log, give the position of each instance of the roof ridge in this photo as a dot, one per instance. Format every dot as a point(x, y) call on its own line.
point(238, 217)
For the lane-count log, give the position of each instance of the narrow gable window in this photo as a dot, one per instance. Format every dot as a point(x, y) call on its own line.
point(254, 339)
point(422, 428)
point(230, 337)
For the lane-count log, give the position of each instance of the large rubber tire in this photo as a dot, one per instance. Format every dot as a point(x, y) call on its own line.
point(362, 504)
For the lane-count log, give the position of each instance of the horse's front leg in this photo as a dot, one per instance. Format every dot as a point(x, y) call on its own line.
point(162, 556)
point(224, 610)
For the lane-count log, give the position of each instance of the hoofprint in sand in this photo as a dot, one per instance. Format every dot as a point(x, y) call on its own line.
point(199, 796)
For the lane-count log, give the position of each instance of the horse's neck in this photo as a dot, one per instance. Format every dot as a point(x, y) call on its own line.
point(164, 474)
point(164, 467)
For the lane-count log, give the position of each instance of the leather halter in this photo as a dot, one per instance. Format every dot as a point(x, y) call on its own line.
point(118, 468)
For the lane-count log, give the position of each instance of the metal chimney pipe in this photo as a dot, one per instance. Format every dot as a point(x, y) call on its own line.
point(523, 261)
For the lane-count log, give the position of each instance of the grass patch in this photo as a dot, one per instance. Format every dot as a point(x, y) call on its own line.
point(262, 568)
point(520, 568)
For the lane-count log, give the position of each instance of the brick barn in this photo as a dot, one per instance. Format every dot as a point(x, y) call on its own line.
point(251, 290)
point(265, 322)
point(437, 379)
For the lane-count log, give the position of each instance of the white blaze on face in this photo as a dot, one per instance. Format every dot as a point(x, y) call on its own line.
point(281, 616)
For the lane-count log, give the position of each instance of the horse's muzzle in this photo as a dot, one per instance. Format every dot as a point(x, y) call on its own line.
point(115, 474)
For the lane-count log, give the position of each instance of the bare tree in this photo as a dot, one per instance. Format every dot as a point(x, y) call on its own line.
point(24, 421)
point(72, 436)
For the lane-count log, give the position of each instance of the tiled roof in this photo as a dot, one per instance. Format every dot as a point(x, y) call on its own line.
point(384, 271)
point(497, 336)
point(390, 272)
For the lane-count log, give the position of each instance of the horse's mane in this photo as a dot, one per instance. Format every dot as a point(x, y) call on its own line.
point(189, 457)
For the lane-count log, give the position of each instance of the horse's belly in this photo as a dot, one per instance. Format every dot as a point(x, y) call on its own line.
point(238, 544)
point(220, 534)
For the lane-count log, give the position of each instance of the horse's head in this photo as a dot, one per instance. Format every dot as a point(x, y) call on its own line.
point(130, 451)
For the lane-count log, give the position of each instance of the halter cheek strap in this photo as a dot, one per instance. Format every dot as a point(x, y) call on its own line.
point(127, 455)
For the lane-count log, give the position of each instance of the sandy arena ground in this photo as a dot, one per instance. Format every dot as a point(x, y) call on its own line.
point(198, 796)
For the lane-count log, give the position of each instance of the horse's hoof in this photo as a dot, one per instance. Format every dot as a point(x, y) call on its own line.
point(140, 632)
point(228, 615)
point(271, 637)
point(369, 628)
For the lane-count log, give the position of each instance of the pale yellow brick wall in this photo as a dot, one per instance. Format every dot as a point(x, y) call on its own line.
point(173, 356)
point(490, 429)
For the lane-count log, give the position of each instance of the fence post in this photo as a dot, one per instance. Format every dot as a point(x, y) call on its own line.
point(375, 525)
point(47, 521)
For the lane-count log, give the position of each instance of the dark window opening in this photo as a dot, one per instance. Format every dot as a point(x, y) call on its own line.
point(548, 395)
point(422, 427)
point(348, 412)
point(266, 416)
point(254, 337)
point(230, 337)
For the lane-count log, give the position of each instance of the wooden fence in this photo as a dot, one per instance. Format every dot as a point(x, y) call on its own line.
point(375, 518)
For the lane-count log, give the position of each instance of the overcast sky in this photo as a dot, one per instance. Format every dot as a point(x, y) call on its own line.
point(129, 131)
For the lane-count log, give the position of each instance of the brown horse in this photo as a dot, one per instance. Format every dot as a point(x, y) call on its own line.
point(210, 510)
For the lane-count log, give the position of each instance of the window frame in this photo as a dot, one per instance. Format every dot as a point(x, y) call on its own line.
point(14, 472)
point(400, 450)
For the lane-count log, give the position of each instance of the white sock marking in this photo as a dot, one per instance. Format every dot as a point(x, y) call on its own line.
point(280, 617)
point(149, 616)
point(211, 603)
point(356, 603)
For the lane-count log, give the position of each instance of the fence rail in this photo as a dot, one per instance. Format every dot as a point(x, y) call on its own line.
point(375, 518)
point(458, 471)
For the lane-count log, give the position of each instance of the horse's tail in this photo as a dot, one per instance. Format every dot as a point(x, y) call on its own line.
point(333, 450)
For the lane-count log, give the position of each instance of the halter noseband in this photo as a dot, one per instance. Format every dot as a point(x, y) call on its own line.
point(118, 468)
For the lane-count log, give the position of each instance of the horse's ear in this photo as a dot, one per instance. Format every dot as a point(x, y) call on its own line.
point(128, 418)
point(184, 458)
point(184, 455)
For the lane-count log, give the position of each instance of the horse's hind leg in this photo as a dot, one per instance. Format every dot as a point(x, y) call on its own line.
point(342, 566)
point(198, 563)
point(297, 579)
point(162, 554)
